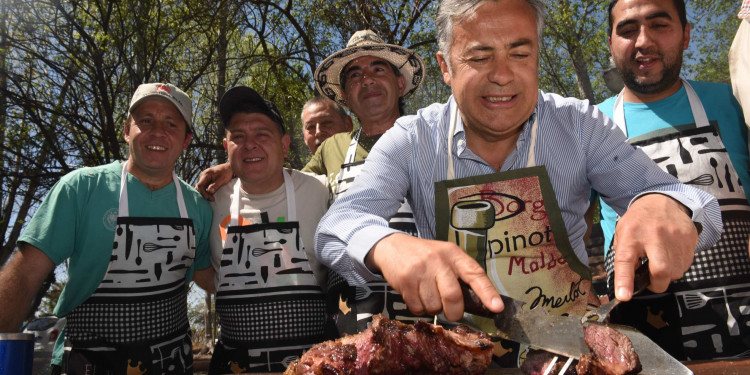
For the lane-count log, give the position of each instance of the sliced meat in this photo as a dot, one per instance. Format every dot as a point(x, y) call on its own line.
point(392, 347)
point(612, 353)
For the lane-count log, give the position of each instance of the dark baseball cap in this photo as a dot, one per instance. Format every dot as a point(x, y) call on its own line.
point(242, 99)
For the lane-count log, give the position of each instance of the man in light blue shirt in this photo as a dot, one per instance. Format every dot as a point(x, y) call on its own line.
point(498, 131)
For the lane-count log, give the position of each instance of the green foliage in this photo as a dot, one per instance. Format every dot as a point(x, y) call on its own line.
point(714, 23)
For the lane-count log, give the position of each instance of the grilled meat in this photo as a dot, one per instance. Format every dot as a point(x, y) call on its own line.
point(392, 347)
point(612, 353)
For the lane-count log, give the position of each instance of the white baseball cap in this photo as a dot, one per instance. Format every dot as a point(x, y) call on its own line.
point(166, 91)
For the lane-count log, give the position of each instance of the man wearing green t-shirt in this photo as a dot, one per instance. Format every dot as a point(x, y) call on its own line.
point(134, 235)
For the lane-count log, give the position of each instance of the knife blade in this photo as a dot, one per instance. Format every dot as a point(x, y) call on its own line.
point(563, 335)
point(640, 282)
point(556, 334)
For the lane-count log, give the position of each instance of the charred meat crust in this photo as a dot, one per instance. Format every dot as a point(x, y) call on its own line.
point(392, 347)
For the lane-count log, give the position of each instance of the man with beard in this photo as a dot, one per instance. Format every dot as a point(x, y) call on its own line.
point(694, 131)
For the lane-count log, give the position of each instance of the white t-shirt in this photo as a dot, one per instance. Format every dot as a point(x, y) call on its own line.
point(311, 196)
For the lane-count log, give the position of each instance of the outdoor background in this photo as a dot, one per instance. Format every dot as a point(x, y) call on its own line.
point(69, 68)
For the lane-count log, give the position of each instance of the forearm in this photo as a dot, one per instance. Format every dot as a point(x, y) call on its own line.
point(345, 252)
point(20, 280)
point(205, 279)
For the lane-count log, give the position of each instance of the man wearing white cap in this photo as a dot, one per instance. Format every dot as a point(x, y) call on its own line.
point(134, 235)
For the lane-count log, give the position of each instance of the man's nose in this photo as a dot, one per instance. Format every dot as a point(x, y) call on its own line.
point(644, 39)
point(367, 79)
point(501, 73)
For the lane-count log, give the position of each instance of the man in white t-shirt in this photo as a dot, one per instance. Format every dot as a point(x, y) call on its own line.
point(261, 244)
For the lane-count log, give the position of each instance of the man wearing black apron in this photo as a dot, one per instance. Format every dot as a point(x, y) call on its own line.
point(126, 301)
point(269, 286)
point(371, 78)
point(694, 131)
point(501, 175)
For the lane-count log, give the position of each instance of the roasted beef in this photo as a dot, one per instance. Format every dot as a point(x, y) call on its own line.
point(392, 347)
point(612, 353)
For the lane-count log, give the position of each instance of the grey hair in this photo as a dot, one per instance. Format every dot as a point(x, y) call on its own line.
point(451, 12)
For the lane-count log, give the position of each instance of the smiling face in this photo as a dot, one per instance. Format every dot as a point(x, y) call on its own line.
point(321, 120)
point(156, 134)
point(371, 88)
point(256, 150)
point(646, 44)
point(494, 71)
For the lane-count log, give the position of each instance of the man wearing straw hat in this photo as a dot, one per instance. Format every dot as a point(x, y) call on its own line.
point(372, 78)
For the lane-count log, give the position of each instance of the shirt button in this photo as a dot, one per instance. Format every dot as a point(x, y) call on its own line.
point(461, 143)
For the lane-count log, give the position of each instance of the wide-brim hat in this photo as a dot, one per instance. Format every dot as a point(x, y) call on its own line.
point(367, 43)
point(168, 92)
point(243, 98)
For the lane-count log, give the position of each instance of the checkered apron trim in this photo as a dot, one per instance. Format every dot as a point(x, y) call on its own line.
point(272, 321)
point(267, 294)
point(143, 296)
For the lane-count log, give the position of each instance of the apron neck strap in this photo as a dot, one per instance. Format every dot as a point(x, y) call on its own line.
point(451, 173)
point(696, 107)
point(291, 204)
point(352, 150)
point(124, 210)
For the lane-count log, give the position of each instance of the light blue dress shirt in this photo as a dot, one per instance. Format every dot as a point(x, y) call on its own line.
point(580, 147)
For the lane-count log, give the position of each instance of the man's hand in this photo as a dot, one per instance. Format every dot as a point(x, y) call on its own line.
point(659, 228)
point(212, 179)
point(426, 273)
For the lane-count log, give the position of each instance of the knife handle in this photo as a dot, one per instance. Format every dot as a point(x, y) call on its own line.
point(472, 303)
point(642, 278)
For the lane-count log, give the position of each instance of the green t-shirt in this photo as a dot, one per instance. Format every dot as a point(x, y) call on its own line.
point(77, 220)
point(332, 153)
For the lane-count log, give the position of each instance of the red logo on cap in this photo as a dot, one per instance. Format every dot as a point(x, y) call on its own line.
point(164, 88)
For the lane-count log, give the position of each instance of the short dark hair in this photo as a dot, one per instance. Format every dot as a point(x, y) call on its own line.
point(396, 71)
point(320, 99)
point(679, 4)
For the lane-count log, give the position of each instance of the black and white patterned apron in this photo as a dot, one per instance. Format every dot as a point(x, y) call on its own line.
point(270, 305)
point(136, 321)
point(357, 305)
point(706, 313)
point(511, 224)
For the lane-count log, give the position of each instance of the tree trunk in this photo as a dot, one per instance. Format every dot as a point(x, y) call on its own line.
point(582, 74)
